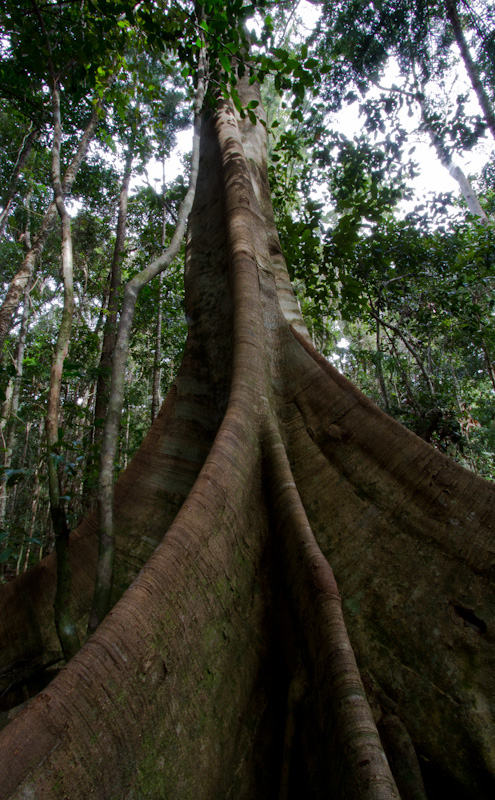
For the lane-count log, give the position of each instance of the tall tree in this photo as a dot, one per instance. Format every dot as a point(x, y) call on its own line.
point(227, 664)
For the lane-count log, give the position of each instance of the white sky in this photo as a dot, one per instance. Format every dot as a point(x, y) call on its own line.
point(432, 178)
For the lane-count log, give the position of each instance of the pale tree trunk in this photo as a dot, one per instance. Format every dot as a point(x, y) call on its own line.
point(24, 152)
point(19, 281)
point(111, 319)
point(232, 666)
point(11, 404)
point(106, 551)
point(109, 316)
point(379, 362)
point(467, 191)
point(471, 68)
point(156, 398)
point(67, 633)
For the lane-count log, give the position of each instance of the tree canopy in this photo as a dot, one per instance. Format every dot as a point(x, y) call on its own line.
point(411, 293)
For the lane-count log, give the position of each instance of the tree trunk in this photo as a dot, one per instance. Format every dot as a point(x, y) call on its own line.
point(110, 328)
point(157, 369)
point(24, 152)
point(471, 198)
point(225, 669)
point(11, 405)
point(63, 615)
point(379, 360)
point(19, 281)
point(471, 68)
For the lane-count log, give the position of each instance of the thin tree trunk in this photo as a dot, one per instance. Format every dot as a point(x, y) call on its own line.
point(471, 68)
point(19, 281)
point(34, 501)
point(488, 361)
point(110, 327)
point(25, 538)
point(11, 405)
point(66, 630)
point(467, 191)
point(156, 399)
point(24, 152)
point(104, 579)
point(379, 363)
point(411, 349)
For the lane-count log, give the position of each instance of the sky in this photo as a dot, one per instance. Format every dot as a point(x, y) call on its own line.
point(432, 178)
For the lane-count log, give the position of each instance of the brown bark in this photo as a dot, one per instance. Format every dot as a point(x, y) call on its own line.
point(279, 467)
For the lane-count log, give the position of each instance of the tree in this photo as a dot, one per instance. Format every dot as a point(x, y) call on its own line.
point(225, 668)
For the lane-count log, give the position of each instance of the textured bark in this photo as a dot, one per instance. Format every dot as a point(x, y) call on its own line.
point(225, 669)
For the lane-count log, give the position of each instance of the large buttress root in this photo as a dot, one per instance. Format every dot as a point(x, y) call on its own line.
point(410, 536)
point(181, 690)
point(356, 765)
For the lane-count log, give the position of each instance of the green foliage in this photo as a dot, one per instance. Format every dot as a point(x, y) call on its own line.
point(413, 295)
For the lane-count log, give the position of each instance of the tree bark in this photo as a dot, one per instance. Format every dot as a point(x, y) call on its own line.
point(64, 623)
point(11, 404)
point(264, 467)
point(111, 320)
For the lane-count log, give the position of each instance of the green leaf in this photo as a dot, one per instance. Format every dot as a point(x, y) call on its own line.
point(237, 102)
point(225, 62)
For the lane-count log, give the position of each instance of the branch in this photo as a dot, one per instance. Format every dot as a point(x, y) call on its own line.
point(471, 68)
point(106, 548)
point(409, 346)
